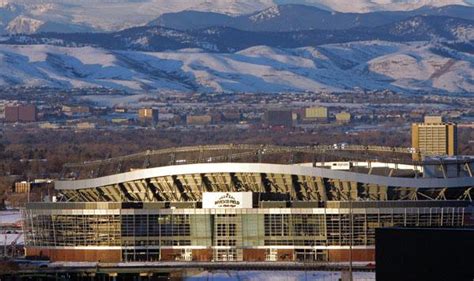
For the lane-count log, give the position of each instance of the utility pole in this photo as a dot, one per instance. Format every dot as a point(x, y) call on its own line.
point(351, 222)
point(5, 246)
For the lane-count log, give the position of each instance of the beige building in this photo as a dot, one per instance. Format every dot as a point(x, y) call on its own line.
point(343, 117)
point(49, 125)
point(433, 137)
point(85, 126)
point(75, 110)
point(22, 187)
point(316, 113)
point(198, 119)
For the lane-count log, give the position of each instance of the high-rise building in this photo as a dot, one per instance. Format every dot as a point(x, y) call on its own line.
point(148, 115)
point(433, 137)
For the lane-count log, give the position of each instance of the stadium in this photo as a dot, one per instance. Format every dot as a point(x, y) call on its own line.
point(251, 203)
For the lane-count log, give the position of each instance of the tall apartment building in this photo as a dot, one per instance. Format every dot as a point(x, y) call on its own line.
point(434, 137)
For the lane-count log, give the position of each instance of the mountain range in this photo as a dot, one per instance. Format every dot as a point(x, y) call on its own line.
point(458, 33)
point(300, 17)
point(289, 47)
point(32, 16)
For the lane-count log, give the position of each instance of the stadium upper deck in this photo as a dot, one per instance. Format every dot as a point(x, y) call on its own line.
point(288, 173)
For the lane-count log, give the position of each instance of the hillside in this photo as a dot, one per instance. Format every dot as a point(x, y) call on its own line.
point(407, 67)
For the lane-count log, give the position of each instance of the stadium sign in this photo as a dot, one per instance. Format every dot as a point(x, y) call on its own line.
point(223, 200)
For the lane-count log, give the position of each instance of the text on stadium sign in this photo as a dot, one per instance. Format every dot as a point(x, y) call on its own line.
point(238, 200)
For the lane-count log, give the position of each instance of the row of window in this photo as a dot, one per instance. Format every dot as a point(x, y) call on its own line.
point(265, 229)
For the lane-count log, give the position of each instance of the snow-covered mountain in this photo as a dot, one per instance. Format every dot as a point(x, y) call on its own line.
point(363, 6)
point(458, 33)
point(293, 17)
point(108, 15)
point(238, 45)
point(27, 19)
point(370, 65)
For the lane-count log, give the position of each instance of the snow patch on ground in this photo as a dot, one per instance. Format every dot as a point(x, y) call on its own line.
point(363, 6)
point(266, 14)
point(277, 276)
point(10, 217)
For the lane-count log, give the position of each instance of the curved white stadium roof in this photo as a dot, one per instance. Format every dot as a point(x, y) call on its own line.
point(205, 168)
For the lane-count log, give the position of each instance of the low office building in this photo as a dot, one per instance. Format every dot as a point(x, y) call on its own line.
point(343, 117)
point(316, 114)
point(278, 117)
point(21, 113)
point(198, 119)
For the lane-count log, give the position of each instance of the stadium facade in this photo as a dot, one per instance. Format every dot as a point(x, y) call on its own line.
point(245, 203)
